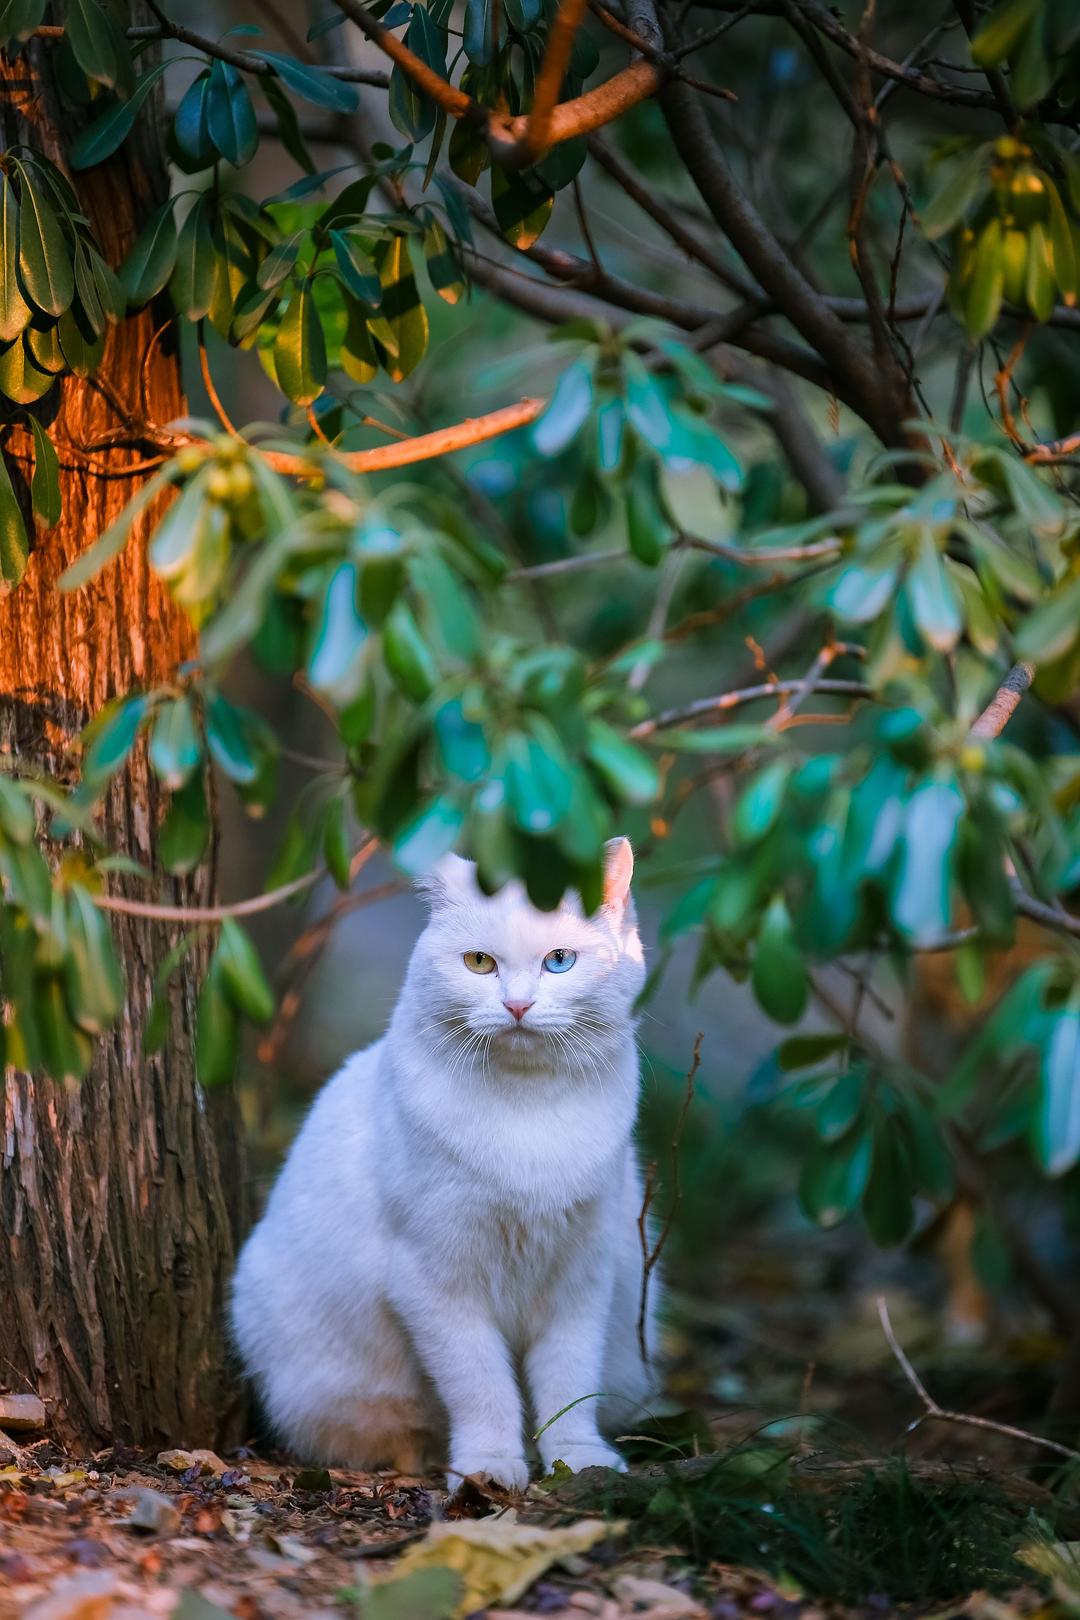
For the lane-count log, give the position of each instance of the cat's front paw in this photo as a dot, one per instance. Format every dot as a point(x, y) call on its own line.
point(589, 1454)
point(511, 1473)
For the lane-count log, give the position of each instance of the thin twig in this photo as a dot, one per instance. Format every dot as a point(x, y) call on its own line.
point(650, 1253)
point(939, 1414)
point(208, 914)
point(747, 694)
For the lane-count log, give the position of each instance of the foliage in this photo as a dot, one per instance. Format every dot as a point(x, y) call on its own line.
point(873, 815)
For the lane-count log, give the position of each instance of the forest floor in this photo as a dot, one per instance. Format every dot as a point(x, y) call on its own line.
point(808, 1502)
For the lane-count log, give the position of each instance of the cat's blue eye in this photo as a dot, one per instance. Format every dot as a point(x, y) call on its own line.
point(560, 961)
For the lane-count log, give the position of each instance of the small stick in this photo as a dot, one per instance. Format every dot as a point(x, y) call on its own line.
point(939, 1413)
point(8, 1448)
point(651, 1254)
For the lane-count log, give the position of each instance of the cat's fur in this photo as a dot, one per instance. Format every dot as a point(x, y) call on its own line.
point(451, 1251)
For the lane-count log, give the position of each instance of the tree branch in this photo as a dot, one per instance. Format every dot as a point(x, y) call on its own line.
point(939, 1414)
point(746, 694)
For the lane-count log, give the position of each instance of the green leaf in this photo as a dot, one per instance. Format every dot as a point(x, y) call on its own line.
point(66, 1051)
point(230, 116)
point(629, 774)
point(230, 735)
point(16, 812)
point(834, 1178)
point(537, 780)
point(411, 111)
point(217, 1031)
point(983, 296)
point(484, 32)
point(462, 744)
point(778, 974)
point(21, 379)
point(175, 745)
point(401, 327)
point(300, 348)
point(312, 83)
point(356, 268)
point(288, 125)
point(192, 143)
point(922, 891)
point(951, 202)
point(1052, 629)
point(336, 843)
point(14, 545)
point(761, 801)
point(336, 664)
point(152, 258)
point(111, 737)
point(82, 347)
point(522, 205)
point(887, 1204)
point(242, 976)
point(566, 411)
point(45, 484)
point(408, 657)
point(935, 606)
point(98, 45)
point(1002, 30)
point(14, 310)
point(93, 984)
point(100, 139)
point(185, 832)
point(861, 590)
point(192, 281)
point(1057, 1124)
point(842, 1104)
point(428, 836)
point(443, 269)
point(278, 264)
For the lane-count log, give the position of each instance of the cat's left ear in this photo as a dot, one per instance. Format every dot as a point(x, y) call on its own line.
point(450, 877)
point(618, 872)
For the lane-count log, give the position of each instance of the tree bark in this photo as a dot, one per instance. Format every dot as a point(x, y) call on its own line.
point(117, 1226)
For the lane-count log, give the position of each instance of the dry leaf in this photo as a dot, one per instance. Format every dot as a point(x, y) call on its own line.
point(498, 1558)
point(654, 1600)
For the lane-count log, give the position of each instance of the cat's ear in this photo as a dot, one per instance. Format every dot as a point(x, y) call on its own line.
point(448, 879)
point(618, 872)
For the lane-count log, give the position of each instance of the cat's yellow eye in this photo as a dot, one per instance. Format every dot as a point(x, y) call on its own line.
point(479, 962)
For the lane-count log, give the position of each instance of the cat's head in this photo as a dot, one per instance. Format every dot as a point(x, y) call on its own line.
point(496, 966)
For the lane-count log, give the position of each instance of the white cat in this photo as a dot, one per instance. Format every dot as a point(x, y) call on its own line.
point(451, 1250)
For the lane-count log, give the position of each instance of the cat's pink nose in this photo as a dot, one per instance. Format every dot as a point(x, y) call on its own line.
point(518, 1008)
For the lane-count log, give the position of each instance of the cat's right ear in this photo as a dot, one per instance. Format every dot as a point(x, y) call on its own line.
point(448, 879)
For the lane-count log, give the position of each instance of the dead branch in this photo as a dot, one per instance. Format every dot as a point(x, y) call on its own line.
point(939, 1414)
point(745, 694)
point(650, 1253)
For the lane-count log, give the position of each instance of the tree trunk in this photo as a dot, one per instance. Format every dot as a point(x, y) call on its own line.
point(117, 1227)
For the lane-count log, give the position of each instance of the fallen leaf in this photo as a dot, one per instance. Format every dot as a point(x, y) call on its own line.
point(180, 1462)
point(654, 1600)
point(498, 1558)
point(426, 1594)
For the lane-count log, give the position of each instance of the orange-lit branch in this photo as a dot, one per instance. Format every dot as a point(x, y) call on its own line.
point(474, 430)
point(534, 141)
point(585, 113)
point(445, 95)
point(557, 122)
